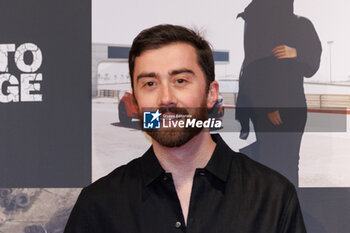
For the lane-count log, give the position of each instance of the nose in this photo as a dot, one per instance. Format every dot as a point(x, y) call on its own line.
point(166, 96)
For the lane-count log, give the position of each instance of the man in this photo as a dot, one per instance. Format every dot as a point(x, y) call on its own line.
point(189, 180)
point(281, 49)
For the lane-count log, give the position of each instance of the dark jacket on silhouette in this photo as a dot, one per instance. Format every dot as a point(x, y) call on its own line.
point(268, 83)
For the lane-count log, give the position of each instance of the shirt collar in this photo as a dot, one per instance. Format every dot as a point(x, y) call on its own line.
point(218, 165)
point(151, 168)
point(220, 162)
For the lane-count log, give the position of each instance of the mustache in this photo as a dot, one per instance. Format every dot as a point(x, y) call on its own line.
point(174, 110)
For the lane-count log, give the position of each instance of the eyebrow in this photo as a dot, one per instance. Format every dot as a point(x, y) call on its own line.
point(180, 71)
point(171, 73)
point(146, 75)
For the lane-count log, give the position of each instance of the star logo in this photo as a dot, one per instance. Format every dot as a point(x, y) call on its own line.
point(151, 120)
point(155, 115)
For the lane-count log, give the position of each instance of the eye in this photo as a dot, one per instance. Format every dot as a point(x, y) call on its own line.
point(180, 80)
point(149, 84)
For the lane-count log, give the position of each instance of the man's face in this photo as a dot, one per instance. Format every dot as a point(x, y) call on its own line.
point(170, 79)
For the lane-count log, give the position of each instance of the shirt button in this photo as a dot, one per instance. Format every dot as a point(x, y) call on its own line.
point(178, 224)
point(165, 178)
point(202, 173)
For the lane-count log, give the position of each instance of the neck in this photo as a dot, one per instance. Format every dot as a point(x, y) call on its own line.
point(182, 161)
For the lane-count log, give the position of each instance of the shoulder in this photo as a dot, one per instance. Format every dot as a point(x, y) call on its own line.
point(302, 19)
point(115, 183)
point(260, 178)
point(260, 186)
point(104, 198)
point(268, 196)
point(304, 22)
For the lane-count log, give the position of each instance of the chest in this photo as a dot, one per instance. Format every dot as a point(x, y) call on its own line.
point(260, 36)
point(213, 207)
point(184, 190)
point(186, 207)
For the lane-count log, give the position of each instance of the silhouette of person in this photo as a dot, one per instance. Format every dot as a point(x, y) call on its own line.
point(281, 49)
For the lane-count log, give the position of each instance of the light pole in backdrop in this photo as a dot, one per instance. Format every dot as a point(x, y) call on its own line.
point(330, 59)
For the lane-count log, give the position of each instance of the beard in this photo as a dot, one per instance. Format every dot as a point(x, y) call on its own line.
point(177, 136)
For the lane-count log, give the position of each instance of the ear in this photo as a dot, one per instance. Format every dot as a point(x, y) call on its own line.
point(213, 94)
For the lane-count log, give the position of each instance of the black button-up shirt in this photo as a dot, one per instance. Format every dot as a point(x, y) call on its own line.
point(231, 194)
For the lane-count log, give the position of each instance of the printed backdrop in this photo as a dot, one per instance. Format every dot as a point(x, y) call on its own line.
point(45, 112)
point(48, 73)
point(45, 60)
